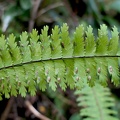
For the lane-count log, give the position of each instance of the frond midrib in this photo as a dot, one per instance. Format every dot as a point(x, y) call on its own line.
point(98, 105)
point(60, 58)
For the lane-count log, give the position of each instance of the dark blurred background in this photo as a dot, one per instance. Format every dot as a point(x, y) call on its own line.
point(24, 15)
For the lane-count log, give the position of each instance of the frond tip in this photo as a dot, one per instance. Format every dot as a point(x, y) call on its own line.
point(56, 59)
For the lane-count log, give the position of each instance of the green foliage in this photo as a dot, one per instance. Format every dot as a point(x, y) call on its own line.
point(56, 59)
point(96, 103)
point(17, 8)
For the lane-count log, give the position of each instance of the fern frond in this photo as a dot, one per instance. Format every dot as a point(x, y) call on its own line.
point(113, 44)
point(45, 44)
point(79, 73)
point(79, 41)
point(102, 41)
point(96, 103)
point(67, 46)
point(90, 45)
point(56, 48)
point(56, 59)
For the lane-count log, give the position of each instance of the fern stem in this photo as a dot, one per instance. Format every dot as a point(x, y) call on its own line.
point(35, 61)
point(97, 104)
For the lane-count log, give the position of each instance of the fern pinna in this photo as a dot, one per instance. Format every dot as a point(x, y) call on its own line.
point(96, 103)
point(56, 59)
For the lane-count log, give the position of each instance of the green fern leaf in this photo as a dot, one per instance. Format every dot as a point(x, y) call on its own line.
point(79, 41)
point(14, 50)
point(114, 70)
point(113, 63)
point(4, 84)
point(21, 80)
point(113, 44)
point(67, 46)
point(4, 53)
point(50, 60)
point(55, 44)
point(90, 46)
point(45, 44)
point(50, 74)
point(2, 80)
point(12, 82)
point(90, 66)
point(1, 62)
point(29, 76)
point(97, 103)
point(102, 41)
point(35, 46)
point(79, 73)
point(60, 73)
point(24, 48)
point(40, 76)
point(102, 71)
point(69, 64)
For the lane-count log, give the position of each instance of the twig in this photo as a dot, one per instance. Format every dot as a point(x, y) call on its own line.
point(54, 107)
point(36, 4)
point(52, 6)
point(34, 111)
point(7, 110)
